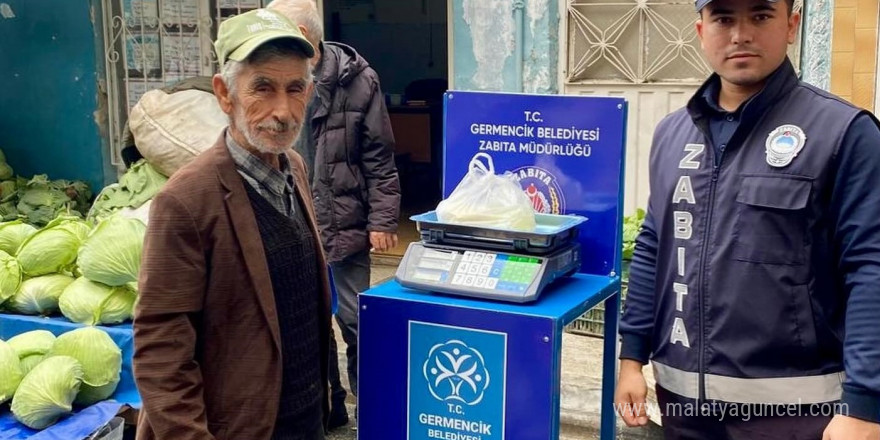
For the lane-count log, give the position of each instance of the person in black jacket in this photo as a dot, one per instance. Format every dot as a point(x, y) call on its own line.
point(348, 147)
point(755, 283)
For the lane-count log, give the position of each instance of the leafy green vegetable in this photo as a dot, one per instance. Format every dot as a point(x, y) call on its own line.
point(112, 253)
point(42, 200)
point(47, 392)
point(32, 342)
point(138, 185)
point(29, 362)
point(632, 225)
point(13, 234)
point(10, 372)
point(53, 248)
point(39, 295)
point(10, 276)
point(5, 171)
point(87, 302)
point(31, 348)
point(101, 361)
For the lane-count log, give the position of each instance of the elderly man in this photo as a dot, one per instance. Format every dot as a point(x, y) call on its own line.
point(231, 330)
point(349, 149)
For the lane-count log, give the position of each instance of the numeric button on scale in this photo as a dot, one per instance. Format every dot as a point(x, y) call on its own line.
point(485, 269)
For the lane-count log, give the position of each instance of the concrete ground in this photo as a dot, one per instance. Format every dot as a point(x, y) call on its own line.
point(581, 382)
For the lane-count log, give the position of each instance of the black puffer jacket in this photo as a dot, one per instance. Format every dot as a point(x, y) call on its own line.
point(355, 184)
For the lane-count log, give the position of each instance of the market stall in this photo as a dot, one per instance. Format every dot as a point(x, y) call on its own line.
point(68, 285)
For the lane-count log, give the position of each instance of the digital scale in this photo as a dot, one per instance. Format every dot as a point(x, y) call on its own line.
point(490, 263)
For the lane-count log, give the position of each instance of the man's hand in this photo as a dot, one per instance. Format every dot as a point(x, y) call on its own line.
point(382, 241)
point(851, 428)
point(632, 390)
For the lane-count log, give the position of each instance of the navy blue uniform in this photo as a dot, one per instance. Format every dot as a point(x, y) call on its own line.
point(756, 278)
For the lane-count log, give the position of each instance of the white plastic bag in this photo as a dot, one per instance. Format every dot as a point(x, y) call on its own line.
point(485, 199)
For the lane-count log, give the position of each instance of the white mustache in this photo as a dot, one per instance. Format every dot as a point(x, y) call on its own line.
point(278, 126)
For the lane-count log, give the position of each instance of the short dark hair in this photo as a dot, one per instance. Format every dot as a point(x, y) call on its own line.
point(790, 5)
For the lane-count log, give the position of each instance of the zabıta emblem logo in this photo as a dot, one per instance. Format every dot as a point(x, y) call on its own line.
point(542, 189)
point(456, 372)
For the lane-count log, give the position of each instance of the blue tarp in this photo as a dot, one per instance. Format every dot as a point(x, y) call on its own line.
point(85, 420)
point(74, 427)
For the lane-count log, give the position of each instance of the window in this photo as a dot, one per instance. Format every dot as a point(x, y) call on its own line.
point(150, 44)
point(637, 42)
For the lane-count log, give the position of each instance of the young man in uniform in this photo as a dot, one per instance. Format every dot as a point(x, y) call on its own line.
point(755, 283)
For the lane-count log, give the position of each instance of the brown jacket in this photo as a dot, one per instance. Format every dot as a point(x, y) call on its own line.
point(207, 356)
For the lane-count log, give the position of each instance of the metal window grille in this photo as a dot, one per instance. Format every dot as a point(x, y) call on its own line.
point(637, 42)
point(150, 44)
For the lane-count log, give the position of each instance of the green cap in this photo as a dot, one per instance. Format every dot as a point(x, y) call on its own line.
point(239, 36)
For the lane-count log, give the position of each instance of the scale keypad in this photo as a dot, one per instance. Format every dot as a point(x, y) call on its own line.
point(495, 272)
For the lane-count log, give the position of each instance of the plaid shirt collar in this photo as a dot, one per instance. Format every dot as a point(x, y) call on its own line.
point(279, 183)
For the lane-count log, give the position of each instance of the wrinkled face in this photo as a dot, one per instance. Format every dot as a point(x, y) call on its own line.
point(746, 40)
point(269, 102)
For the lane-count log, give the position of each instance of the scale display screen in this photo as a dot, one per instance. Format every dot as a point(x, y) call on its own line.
point(486, 274)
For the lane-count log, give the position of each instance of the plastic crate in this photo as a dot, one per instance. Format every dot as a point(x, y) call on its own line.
point(592, 323)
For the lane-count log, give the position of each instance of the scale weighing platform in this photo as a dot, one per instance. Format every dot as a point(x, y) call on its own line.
point(490, 263)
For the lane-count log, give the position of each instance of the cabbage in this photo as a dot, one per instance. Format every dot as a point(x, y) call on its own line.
point(29, 362)
point(53, 248)
point(8, 211)
point(39, 296)
point(13, 234)
point(100, 358)
point(91, 303)
point(47, 392)
point(10, 276)
point(112, 253)
point(42, 200)
point(138, 185)
point(8, 190)
point(32, 342)
point(5, 171)
point(31, 347)
point(10, 371)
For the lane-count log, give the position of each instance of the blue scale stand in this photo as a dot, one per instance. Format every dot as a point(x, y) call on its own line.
point(460, 362)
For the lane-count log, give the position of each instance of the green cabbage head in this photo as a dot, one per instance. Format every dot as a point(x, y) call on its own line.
point(101, 361)
point(53, 249)
point(112, 253)
point(29, 362)
point(13, 234)
point(31, 347)
point(6, 171)
point(47, 392)
point(87, 302)
point(39, 296)
point(10, 276)
point(10, 372)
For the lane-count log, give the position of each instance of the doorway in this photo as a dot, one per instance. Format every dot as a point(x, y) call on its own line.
point(406, 44)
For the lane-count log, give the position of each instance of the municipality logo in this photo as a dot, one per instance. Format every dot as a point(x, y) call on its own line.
point(456, 372)
point(542, 189)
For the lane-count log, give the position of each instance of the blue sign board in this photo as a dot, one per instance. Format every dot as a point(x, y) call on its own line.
point(456, 382)
point(567, 152)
